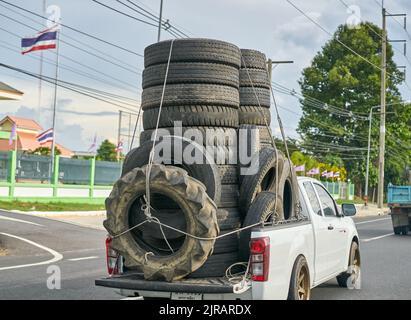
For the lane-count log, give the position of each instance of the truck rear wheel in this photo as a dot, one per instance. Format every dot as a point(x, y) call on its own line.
point(300, 285)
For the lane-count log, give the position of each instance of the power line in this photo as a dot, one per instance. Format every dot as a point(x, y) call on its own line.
point(69, 37)
point(156, 18)
point(76, 30)
point(74, 46)
point(338, 40)
point(53, 81)
point(79, 63)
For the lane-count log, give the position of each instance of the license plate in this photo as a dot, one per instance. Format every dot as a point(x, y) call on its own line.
point(186, 296)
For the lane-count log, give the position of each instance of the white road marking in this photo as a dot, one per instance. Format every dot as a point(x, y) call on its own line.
point(371, 221)
point(22, 221)
point(83, 258)
point(56, 256)
point(377, 238)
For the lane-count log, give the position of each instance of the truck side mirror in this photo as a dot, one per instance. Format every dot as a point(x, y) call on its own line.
point(348, 209)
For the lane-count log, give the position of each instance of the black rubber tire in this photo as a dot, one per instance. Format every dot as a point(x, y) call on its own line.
point(264, 135)
point(228, 218)
point(265, 180)
point(343, 278)
point(254, 115)
point(211, 136)
point(248, 97)
point(259, 78)
point(300, 263)
point(200, 214)
point(404, 230)
point(214, 116)
point(193, 50)
point(260, 179)
point(397, 230)
point(261, 210)
point(229, 196)
point(253, 59)
point(189, 94)
point(207, 172)
point(208, 73)
point(216, 265)
point(228, 174)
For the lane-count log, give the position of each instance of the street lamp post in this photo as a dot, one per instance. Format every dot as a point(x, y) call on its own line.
point(368, 156)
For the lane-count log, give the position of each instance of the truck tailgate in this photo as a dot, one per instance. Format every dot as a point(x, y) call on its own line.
point(137, 282)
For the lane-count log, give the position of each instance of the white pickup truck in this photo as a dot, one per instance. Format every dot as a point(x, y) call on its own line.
point(286, 260)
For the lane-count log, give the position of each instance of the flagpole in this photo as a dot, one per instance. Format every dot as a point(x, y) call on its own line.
point(53, 143)
point(41, 66)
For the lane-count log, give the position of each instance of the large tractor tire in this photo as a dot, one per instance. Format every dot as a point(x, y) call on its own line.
point(199, 211)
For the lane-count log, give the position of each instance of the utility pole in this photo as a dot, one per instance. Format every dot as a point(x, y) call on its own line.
point(120, 115)
point(160, 19)
point(380, 199)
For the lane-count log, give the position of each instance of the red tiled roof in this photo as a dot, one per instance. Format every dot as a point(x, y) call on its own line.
point(23, 123)
point(28, 142)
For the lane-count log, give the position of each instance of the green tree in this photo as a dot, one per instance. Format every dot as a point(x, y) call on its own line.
point(349, 86)
point(45, 151)
point(107, 151)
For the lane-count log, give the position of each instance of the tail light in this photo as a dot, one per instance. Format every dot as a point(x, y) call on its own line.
point(259, 258)
point(112, 257)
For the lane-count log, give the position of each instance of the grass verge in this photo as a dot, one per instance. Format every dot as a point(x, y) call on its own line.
point(49, 206)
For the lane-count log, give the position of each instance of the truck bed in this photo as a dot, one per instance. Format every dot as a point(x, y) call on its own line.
point(136, 282)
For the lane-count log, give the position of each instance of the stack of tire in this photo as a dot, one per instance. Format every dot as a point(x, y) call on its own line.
point(206, 91)
point(202, 93)
point(254, 112)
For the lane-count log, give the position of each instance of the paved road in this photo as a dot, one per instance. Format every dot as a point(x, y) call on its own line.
point(386, 261)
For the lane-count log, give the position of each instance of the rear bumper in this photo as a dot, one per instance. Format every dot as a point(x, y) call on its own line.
point(136, 282)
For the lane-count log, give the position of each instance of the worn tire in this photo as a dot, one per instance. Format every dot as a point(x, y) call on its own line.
point(259, 179)
point(248, 97)
point(193, 50)
point(266, 180)
point(227, 220)
point(261, 210)
point(253, 59)
point(216, 265)
point(229, 196)
point(207, 172)
point(228, 174)
point(259, 78)
point(211, 136)
point(199, 210)
point(201, 115)
point(208, 73)
point(264, 135)
point(254, 115)
point(189, 94)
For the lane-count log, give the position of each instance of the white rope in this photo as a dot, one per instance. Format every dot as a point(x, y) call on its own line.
point(147, 211)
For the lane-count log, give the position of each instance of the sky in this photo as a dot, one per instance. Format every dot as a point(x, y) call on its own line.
point(272, 26)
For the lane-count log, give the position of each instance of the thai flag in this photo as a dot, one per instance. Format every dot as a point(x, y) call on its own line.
point(313, 171)
point(44, 40)
point(119, 146)
point(336, 174)
point(324, 174)
point(45, 136)
point(300, 168)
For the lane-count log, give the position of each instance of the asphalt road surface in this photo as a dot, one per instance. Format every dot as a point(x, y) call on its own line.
point(35, 244)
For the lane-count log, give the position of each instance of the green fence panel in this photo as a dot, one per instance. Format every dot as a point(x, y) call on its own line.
point(4, 165)
point(33, 167)
point(107, 173)
point(74, 171)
